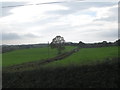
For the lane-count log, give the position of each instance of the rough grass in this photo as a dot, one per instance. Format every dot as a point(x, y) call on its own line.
point(103, 75)
point(87, 56)
point(28, 55)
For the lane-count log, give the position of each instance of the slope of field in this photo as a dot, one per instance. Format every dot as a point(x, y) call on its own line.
point(28, 55)
point(87, 56)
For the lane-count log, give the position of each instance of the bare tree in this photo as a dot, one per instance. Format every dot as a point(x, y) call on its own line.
point(59, 43)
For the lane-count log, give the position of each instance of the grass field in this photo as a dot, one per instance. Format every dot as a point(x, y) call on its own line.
point(88, 56)
point(28, 55)
point(70, 72)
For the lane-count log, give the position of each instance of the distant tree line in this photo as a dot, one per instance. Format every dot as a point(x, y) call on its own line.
point(8, 48)
point(94, 45)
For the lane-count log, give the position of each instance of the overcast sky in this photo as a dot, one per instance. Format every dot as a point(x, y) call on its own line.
point(72, 19)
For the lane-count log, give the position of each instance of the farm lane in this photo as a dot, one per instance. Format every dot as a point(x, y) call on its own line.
point(40, 62)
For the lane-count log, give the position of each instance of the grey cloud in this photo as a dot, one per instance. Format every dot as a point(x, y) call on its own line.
point(109, 34)
point(44, 21)
point(15, 36)
point(58, 29)
point(112, 17)
point(107, 19)
point(6, 11)
point(10, 36)
point(30, 35)
point(79, 6)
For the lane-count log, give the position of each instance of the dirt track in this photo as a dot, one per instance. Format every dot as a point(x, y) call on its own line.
point(40, 62)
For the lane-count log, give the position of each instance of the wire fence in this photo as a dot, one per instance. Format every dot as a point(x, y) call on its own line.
point(41, 3)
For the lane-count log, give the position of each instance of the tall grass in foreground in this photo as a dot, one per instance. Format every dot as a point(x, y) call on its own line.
point(94, 76)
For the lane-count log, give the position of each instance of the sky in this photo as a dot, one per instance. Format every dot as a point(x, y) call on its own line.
point(75, 20)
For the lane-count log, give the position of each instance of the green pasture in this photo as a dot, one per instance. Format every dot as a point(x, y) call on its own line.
point(28, 55)
point(87, 56)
